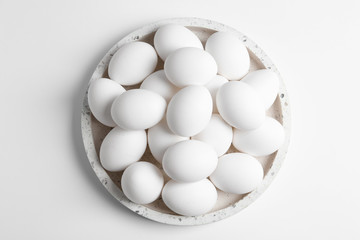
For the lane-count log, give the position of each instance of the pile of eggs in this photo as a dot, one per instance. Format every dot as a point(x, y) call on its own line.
point(189, 114)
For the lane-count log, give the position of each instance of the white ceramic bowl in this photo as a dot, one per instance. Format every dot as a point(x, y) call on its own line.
point(228, 204)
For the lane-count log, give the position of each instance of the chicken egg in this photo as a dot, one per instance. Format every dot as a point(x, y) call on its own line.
point(190, 66)
point(217, 134)
point(240, 105)
point(160, 137)
point(230, 54)
point(138, 109)
point(102, 93)
point(262, 141)
point(237, 173)
point(213, 86)
point(158, 83)
point(142, 182)
point(171, 37)
point(189, 111)
point(190, 199)
point(132, 63)
point(121, 148)
point(189, 161)
point(266, 83)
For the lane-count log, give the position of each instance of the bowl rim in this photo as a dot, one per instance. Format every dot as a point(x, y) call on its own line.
point(164, 217)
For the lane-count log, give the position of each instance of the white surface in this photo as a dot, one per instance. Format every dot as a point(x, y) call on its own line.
point(48, 51)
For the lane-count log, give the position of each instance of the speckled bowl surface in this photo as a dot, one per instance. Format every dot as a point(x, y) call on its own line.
point(227, 204)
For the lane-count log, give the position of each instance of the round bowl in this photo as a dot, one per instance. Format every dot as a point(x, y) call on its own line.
point(227, 204)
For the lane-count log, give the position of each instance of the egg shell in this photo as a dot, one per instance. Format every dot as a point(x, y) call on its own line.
point(190, 199)
point(138, 109)
point(158, 83)
point(230, 54)
point(262, 141)
point(171, 37)
point(189, 111)
point(102, 93)
point(240, 105)
point(213, 86)
point(160, 137)
point(266, 83)
point(121, 148)
point(142, 182)
point(132, 63)
point(189, 161)
point(217, 134)
point(190, 66)
point(237, 173)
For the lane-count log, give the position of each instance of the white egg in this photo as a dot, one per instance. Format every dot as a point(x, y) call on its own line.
point(158, 83)
point(132, 63)
point(266, 83)
point(138, 109)
point(190, 199)
point(240, 105)
point(102, 93)
point(237, 173)
point(262, 141)
point(189, 111)
point(190, 66)
point(230, 55)
point(171, 37)
point(189, 161)
point(217, 134)
point(142, 182)
point(213, 86)
point(121, 148)
point(160, 137)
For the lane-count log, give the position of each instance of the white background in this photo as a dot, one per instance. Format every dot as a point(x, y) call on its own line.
point(48, 51)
